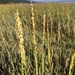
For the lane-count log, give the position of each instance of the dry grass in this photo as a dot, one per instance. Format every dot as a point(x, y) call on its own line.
point(34, 39)
point(37, 43)
point(21, 49)
point(43, 43)
point(72, 64)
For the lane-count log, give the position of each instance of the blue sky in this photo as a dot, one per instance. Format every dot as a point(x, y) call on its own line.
point(53, 0)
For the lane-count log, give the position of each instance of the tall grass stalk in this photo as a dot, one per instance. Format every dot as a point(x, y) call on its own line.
point(72, 63)
point(68, 25)
point(20, 41)
point(48, 35)
point(48, 43)
point(48, 46)
point(34, 39)
point(43, 43)
point(58, 39)
point(51, 48)
point(59, 32)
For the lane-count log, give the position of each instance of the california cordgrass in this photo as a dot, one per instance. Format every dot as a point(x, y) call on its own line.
point(48, 33)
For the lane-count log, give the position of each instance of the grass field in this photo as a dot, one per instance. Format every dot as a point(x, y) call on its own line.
point(37, 39)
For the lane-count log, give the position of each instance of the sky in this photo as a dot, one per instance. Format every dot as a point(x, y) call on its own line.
point(53, 0)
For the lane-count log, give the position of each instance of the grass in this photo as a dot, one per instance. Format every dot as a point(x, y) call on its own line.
point(43, 44)
point(20, 41)
point(48, 33)
point(34, 39)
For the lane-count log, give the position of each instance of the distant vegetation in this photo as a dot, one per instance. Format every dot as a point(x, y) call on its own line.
point(42, 35)
point(14, 1)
